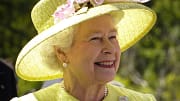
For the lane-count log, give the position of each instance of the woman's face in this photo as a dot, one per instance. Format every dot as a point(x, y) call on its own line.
point(95, 53)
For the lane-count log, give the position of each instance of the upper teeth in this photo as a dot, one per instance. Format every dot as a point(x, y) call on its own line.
point(106, 63)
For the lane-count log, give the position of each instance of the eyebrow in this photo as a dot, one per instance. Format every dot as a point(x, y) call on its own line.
point(90, 35)
point(114, 30)
point(94, 34)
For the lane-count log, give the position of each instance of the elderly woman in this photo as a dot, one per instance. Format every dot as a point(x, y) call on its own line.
point(81, 41)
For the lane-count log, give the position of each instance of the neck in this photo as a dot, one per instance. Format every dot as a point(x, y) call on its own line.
point(83, 91)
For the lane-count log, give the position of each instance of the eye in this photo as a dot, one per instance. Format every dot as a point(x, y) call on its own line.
point(112, 37)
point(95, 38)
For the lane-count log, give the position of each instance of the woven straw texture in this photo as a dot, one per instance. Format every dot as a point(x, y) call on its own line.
point(37, 62)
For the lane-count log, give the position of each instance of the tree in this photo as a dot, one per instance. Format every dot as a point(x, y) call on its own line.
point(152, 65)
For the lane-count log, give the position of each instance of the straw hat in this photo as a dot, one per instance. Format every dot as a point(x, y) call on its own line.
point(37, 62)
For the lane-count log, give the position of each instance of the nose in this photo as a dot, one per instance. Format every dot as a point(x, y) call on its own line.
point(108, 47)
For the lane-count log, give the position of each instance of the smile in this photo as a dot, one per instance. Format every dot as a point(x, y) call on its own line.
point(105, 64)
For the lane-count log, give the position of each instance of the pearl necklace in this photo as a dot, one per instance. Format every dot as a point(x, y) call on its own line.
point(105, 93)
point(105, 90)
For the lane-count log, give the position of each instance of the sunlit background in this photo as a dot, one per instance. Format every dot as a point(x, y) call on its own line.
point(152, 65)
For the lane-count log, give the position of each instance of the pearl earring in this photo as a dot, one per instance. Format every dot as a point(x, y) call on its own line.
point(64, 64)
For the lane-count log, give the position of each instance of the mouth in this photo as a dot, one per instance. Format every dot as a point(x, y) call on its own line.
point(106, 64)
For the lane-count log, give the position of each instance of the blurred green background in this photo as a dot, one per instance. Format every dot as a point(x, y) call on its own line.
point(152, 65)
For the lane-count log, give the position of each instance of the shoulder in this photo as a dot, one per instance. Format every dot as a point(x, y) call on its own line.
point(131, 95)
point(40, 95)
point(27, 97)
point(52, 92)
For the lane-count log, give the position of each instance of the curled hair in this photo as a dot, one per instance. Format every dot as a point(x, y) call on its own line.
point(64, 39)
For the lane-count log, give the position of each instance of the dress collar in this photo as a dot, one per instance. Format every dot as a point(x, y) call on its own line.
point(113, 94)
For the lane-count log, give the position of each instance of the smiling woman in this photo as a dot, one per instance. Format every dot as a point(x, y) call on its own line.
point(82, 43)
point(99, 63)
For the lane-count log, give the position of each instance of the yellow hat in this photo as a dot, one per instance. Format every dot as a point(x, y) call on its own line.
point(36, 61)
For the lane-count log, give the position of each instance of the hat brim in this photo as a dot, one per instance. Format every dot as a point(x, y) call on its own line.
point(36, 62)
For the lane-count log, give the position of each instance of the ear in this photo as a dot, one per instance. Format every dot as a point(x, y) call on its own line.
point(60, 54)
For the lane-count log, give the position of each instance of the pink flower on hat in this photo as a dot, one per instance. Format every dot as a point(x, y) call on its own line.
point(68, 9)
point(96, 2)
point(64, 11)
point(141, 1)
point(81, 1)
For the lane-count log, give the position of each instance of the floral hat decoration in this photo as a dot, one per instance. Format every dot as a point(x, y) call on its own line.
point(51, 18)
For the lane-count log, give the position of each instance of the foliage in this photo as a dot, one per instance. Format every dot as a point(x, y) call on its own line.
point(152, 65)
point(16, 27)
point(16, 30)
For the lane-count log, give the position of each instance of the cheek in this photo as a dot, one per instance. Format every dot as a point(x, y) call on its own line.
point(90, 53)
point(118, 49)
point(84, 53)
point(83, 58)
point(118, 55)
point(117, 46)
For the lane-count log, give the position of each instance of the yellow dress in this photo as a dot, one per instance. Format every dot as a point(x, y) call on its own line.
point(56, 92)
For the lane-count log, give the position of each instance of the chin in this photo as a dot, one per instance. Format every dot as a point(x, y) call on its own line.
point(105, 79)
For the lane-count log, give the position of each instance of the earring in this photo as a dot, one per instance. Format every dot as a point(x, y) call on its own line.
point(64, 64)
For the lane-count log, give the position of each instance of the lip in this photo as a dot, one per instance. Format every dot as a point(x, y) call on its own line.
point(105, 64)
